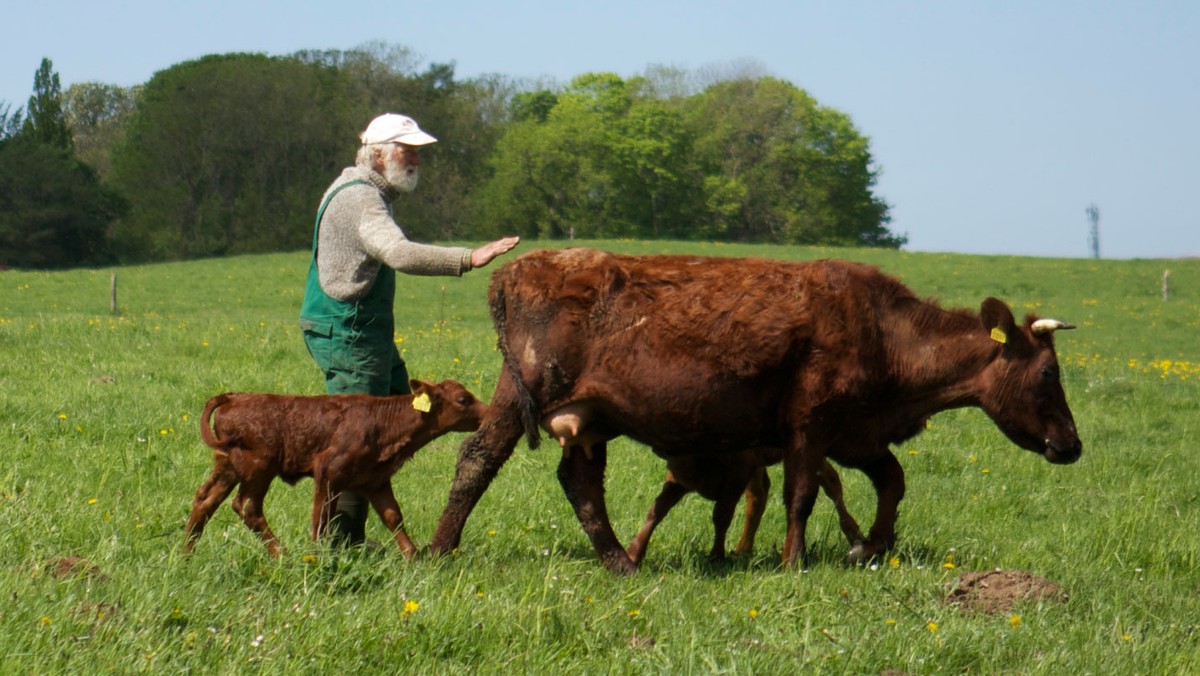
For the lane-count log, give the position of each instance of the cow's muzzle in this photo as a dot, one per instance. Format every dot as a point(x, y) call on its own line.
point(1063, 455)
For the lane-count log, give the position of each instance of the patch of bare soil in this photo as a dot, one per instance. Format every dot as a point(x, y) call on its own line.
point(998, 591)
point(74, 566)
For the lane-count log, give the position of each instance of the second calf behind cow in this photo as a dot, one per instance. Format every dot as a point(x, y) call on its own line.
point(344, 442)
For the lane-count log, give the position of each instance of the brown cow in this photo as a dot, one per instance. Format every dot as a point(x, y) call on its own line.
point(706, 356)
point(344, 441)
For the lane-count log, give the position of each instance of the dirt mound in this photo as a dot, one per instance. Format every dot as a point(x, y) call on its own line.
point(998, 591)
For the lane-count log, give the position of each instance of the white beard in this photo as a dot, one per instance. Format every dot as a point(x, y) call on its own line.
point(401, 177)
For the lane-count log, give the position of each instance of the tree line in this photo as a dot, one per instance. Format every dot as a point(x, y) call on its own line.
point(229, 154)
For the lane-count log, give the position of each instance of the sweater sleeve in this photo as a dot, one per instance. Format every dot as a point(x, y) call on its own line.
point(384, 241)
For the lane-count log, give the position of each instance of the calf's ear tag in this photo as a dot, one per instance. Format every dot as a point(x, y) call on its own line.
point(999, 336)
point(421, 403)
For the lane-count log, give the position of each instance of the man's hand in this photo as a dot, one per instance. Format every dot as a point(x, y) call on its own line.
point(484, 254)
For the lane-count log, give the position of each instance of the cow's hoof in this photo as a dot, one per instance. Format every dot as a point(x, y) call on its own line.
point(861, 553)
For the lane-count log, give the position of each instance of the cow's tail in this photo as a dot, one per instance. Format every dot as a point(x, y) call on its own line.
point(207, 433)
point(531, 410)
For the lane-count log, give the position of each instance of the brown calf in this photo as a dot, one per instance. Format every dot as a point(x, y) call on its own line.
point(345, 442)
point(723, 479)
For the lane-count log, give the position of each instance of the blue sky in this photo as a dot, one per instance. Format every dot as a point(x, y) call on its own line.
point(994, 124)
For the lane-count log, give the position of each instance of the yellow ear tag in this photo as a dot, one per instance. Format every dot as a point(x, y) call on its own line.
point(421, 403)
point(998, 336)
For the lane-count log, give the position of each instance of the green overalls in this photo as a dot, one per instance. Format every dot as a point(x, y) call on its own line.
point(353, 341)
point(353, 344)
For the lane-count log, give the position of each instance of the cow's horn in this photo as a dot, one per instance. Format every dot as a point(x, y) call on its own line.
point(1049, 326)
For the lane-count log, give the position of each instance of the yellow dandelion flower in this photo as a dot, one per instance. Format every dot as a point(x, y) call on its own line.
point(410, 607)
point(932, 626)
point(492, 532)
point(62, 416)
point(1015, 620)
point(894, 562)
point(913, 451)
point(753, 613)
point(635, 613)
point(44, 621)
point(948, 565)
point(92, 501)
point(890, 621)
point(986, 470)
point(308, 558)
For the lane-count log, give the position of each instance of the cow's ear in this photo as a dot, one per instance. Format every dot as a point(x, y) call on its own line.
point(997, 320)
point(417, 386)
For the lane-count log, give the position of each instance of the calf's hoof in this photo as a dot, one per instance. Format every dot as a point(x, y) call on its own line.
point(619, 563)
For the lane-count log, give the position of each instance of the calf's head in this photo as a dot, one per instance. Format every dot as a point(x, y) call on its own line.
point(452, 407)
point(1022, 392)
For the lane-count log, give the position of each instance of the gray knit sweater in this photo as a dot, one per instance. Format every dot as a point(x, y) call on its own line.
point(358, 234)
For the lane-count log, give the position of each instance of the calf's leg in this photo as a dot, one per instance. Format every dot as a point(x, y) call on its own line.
point(800, 485)
point(248, 503)
point(582, 479)
point(831, 483)
point(888, 478)
point(722, 515)
point(209, 497)
point(670, 495)
point(325, 503)
point(384, 502)
point(756, 504)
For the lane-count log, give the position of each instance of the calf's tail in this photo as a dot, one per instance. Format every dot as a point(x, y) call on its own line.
point(207, 433)
point(531, 410)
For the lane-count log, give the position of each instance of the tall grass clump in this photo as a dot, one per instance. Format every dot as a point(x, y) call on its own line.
point(101, 457)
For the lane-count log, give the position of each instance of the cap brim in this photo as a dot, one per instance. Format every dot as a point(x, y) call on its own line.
point(419, 138)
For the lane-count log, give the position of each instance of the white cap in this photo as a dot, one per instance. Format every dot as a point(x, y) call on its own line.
point(393, 128)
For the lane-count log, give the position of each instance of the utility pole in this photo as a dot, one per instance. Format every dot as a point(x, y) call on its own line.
point(1093, 214)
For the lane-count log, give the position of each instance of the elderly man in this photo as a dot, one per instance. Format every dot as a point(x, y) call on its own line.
point(357, 248)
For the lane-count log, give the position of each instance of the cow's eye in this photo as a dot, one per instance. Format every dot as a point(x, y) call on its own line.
point(1049, 373)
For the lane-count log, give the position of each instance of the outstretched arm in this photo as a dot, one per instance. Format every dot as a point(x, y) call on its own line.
point(484, 254)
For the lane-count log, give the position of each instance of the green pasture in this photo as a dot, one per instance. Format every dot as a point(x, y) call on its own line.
point(100, 458)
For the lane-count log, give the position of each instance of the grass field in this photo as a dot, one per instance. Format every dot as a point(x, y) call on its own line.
point(98, 430)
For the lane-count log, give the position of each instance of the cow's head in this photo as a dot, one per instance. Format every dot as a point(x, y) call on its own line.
point(1022, 392)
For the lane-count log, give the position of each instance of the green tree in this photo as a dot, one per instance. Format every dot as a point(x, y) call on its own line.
point(98, 114)
point(594, 160)
point(11, 121)
point(229, 154)
point(44, 117)
point(53, 211)
point(780, 168)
